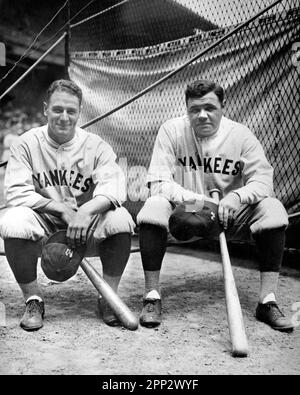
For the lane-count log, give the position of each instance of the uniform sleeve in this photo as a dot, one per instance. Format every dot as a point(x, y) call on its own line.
point(18, 185)
point(162, 170)
point(257, 173)
point(108, 177)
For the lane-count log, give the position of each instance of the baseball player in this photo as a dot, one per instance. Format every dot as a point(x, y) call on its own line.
point(61, 177)
point(193, 154)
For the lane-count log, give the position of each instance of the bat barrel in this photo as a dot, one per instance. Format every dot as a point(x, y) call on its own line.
point(121, 310)
point(234, 312)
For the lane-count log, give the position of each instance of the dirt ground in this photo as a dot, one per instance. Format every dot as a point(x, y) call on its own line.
point(193, 338)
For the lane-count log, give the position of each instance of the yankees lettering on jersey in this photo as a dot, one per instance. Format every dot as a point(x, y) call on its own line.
point(40, 170)
point(231, 160)
point(60, 177)
point(217, 165)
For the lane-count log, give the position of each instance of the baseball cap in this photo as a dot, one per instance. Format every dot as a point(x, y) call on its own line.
point(58, 261)
point(185, 223)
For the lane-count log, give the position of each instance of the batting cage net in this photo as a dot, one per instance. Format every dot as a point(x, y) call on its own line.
point(119, 48)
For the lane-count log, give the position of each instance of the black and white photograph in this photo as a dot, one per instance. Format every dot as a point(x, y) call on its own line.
point(149, 190)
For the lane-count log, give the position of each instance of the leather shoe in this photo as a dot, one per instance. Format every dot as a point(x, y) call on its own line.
point(151, 313)
point(270, 314)
point(32, 319)
point(107, 314)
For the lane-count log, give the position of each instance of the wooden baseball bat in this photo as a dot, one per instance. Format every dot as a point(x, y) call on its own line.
point(234, 311)
point(125, 315)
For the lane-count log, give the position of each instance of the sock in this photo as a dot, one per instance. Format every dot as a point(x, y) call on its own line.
point(22, 256)
point(30, 289)
point(269, 298)
point(112, 281)
point(151, 280)
point(34, 297)
point(153, 243)
point(114, 253)
point(152, 295)
point(268, 284)
point(270, 244)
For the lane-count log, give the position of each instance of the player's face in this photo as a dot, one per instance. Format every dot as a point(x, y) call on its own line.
point(205, 114)
point(62, 113)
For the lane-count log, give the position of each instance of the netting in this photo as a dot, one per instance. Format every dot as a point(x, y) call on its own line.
point(123, 51)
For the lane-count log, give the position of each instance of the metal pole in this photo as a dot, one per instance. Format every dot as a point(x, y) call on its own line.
point(33, 66)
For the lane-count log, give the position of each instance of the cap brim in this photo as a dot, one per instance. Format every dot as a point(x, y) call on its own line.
point(58, 237)
point(61, 238)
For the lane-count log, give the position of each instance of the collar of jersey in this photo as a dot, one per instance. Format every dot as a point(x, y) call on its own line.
point(54, 144)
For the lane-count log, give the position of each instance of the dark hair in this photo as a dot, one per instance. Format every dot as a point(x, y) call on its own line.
point(64, 86)
point(200, 88)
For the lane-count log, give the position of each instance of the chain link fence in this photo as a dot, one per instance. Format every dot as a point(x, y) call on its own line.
point(123, 50)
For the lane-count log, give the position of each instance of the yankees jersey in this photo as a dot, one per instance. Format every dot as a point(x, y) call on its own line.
point(231, 160)
point(40, 170)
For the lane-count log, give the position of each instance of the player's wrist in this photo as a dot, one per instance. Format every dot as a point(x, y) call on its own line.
point(237, 195)
point(85, 209)
point(55, 208)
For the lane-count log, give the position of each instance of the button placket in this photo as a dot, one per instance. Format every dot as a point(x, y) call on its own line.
point(67, 192)
point(61, 167)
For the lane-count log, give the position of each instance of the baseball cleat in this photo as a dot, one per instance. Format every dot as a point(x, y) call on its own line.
point(151, 313)
point(270, 314)
point(32, 319)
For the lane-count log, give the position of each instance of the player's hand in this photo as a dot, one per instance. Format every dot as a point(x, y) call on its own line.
point(197, 204)
point(78, 227)
point(67, 213)
point(228, 206)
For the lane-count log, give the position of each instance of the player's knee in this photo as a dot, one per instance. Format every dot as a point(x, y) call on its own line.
point(156, 211)
point(272, 215)
point(20, 223)
point(114, 221)
point(274, 211)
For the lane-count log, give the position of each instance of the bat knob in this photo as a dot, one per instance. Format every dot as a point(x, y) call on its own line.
point(243, 353)
point(214, 190)
point(215, 193)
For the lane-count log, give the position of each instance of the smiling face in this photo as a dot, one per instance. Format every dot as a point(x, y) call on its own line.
point(62, 111)
point(205, 114)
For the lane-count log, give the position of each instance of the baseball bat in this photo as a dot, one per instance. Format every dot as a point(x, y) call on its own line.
point(234, 312)
point(125, 315)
